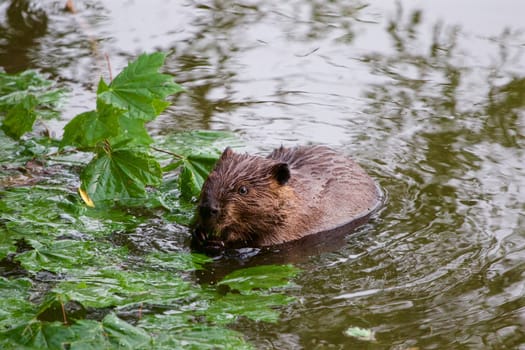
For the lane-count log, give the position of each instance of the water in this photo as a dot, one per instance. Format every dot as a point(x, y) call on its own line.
point(428, 96)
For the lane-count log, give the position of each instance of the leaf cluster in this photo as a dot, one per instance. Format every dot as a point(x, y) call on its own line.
point(122, 167)
point(25, 97)
point(142, 303)
point(91, 292)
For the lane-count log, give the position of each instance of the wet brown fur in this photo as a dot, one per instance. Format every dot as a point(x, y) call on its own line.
point(291, 193)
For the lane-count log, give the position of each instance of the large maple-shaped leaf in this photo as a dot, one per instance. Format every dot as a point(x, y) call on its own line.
point(132, 134)
point(197, 151)
point(140, 88)
point(195, 170)
point(120, 175)
point(86, 130)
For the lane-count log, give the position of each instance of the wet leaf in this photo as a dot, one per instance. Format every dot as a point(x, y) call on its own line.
point(41, 210)
point(120, 175)
point(139, 88)
point(132, 134)
point(111, 333)
point(15, 309)
point(7, 243)
point(195, 170)
point(107, 288)
point(260, 277)
point(177, 331)
point(20, 117)
point(86, 130)
point(23, 98)
point(198, 152)
point(199, 142)
point(178, 261)
point(56, 256)
point(125, 335)
point(227, 309)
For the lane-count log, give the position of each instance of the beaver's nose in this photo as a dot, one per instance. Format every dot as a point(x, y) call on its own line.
point(209, 210)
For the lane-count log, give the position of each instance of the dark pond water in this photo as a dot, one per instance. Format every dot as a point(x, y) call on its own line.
point(428, 96)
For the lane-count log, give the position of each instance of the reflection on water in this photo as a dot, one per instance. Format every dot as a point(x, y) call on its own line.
point(24, 24)
point(431, 102)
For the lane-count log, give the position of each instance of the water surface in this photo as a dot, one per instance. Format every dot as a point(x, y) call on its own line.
point(428, 96)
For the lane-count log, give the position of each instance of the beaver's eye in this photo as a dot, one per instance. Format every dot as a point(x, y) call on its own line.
point(243, 190)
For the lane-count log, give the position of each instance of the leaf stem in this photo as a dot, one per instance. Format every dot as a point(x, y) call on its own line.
point(176, 155)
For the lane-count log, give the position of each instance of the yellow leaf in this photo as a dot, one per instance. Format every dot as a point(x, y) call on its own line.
point(85, 198)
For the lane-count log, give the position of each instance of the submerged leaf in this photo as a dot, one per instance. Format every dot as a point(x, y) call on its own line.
point(227, 309)
point(260, 277)
point(178, 261)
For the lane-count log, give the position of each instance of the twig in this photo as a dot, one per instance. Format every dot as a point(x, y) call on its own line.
point(64, 312)
point(109, 67)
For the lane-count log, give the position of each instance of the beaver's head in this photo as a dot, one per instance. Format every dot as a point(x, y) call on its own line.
point(241, 202)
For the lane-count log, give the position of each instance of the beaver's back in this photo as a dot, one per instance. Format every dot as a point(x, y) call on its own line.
point(333, 186)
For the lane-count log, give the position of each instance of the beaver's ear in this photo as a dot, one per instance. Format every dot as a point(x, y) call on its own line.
point(281, 173)
point(227, 153)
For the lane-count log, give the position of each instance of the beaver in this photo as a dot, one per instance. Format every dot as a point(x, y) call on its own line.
point(253, 201)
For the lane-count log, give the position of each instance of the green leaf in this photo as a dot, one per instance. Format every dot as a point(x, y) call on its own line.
point(120, 175)
point(111, 333)
point(207, 142)
point(198, 152)
point(109, 288)
point(125, 335)
point(177, 331)
point(139, 88)
point(86, 130)
point(56, 256)
point(195, 170)
point(20, 117)
point(24, 97)
point(178, 261)
point(38, 335)
point(15, 308)
point(132, 133)
point(262, 277)
point(39, 211)
point(29, 79)
point(7, 240)
point(227, 309)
